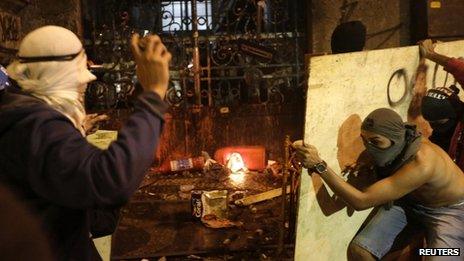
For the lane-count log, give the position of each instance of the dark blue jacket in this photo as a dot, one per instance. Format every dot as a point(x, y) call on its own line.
point(70, 184)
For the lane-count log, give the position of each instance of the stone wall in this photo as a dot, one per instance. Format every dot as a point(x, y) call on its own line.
point(66, 13)
point(32, 14)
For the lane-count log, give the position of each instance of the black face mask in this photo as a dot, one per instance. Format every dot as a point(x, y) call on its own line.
point(389, 124)
point(383, 157)
point(446, 127)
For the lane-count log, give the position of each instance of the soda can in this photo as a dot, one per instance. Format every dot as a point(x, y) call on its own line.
point(196, 204)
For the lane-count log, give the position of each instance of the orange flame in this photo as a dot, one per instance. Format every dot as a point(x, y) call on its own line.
point(237, 167)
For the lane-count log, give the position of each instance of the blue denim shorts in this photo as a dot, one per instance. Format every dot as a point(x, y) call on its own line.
point(444, 228)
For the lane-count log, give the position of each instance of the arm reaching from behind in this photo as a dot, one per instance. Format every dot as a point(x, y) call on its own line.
point(414, 110)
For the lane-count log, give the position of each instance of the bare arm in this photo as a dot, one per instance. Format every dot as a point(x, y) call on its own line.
point(420, 88)
point(427, 50)
point(405, 180)
point(414, 110)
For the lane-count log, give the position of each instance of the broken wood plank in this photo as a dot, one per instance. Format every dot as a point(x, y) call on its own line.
point(260, 197)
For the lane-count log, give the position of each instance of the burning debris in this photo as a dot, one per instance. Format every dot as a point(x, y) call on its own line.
point(233, 200)
point(235, 163)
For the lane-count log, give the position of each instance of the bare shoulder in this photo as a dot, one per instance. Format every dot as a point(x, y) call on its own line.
point(422, 164)
point(416, 172)
point(427, 155)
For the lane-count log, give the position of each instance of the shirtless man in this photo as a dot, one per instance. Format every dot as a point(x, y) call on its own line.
point(418, 175)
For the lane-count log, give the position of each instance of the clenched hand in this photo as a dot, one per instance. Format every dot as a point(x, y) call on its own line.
point(152, 59)
point(306, 154)
point(426, 48)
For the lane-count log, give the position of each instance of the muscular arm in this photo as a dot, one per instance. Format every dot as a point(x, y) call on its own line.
point(451, 65)
point(414, 110)
point(404, 181)
point(438, 58)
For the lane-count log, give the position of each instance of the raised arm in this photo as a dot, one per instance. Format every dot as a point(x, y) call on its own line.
point(65, 169)
point(414, 110)
point(451, 65)
point(427, 49)
point(420, 88)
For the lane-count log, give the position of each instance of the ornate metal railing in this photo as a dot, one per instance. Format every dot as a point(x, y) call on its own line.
point(225, 52)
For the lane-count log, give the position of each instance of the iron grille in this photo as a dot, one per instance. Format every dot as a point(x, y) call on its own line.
point(225, 52)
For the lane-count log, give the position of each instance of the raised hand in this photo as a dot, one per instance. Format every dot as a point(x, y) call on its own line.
point(426, 48)
point(152, 59)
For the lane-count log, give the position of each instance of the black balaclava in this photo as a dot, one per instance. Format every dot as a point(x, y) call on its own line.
point(388, 123)
point(442, 103)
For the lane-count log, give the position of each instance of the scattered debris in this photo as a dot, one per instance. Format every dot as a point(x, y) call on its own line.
point(210, 164)
point(237, 195)
point(194, 257)
point(171, 198)
point(184, 196)
point(213, 222)
point(275, 168)
point(186, 188)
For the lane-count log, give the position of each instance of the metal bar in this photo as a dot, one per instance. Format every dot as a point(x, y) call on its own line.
point(281, 241)
point(196, 54)
point(292, 207)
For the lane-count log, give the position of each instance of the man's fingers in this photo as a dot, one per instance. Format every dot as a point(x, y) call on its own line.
point(167, 56)
point(94, 118)
point(159, 49)
point(135, 46)
point(102, 117)
point(152, 42)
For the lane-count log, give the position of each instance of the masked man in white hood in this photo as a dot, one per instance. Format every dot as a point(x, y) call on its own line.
point(45, 158)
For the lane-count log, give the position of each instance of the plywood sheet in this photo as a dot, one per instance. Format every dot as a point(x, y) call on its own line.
point(343, 89)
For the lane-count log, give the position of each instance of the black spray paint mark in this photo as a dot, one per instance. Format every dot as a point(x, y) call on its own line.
point(400, 73)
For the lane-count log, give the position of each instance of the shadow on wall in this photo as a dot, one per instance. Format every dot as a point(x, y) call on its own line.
point(354, 162)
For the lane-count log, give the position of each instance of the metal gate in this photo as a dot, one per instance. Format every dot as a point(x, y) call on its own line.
point(225, 52)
